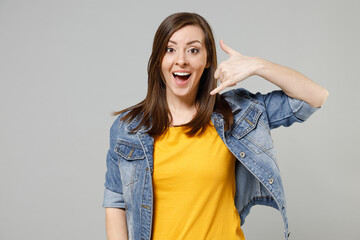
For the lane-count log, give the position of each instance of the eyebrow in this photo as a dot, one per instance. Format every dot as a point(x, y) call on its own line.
point(189, 43)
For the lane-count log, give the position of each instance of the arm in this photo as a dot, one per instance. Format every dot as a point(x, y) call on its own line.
point(115, 221)
point(113, 202)
point(238, 67)
point(293, 83)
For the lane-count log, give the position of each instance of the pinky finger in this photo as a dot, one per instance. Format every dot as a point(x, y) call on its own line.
point(218, 89)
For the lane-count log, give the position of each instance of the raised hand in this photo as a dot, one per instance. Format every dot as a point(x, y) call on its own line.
point(235, 69)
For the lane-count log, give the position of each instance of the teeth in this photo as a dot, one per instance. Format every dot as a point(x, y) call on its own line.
point(181, 73)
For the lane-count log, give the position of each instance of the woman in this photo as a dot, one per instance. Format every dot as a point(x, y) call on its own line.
point(189, 163)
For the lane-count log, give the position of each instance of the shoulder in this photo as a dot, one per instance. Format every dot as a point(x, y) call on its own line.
point(280, 109)
point(242, 98)
point(121, 128)
point(118, 124)
point(242, 94)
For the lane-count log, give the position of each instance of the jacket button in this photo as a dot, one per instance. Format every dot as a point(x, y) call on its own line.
point(242, 154)
point(271, 180)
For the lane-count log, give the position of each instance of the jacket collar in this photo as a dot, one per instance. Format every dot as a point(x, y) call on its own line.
point(134, 123)
point(216, 118)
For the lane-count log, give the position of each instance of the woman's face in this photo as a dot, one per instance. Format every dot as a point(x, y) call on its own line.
point(184, 62)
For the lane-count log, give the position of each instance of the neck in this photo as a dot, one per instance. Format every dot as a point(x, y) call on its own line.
point(182, 110)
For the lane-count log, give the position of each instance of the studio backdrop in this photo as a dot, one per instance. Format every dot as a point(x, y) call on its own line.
point(65, 66)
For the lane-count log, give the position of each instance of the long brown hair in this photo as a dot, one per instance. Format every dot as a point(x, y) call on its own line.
point(153, 110)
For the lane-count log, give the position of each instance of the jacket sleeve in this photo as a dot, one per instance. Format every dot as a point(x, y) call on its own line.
point(113, 195)
point(283, 110)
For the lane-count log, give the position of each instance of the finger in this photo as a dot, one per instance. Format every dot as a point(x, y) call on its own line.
point(215, 91)
point(226, 48)
point(219, 88)
point(217, 73)
point(223, 77)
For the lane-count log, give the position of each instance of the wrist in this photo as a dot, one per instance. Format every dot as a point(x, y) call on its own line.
point(260, 65)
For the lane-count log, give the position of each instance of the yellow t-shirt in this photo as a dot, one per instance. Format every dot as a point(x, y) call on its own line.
point(194, 188)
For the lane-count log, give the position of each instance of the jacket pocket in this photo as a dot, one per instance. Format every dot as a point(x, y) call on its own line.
point(129, 156)
point(246, 122)
point(253, 131)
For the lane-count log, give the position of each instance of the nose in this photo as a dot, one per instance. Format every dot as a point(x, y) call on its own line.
point(181, 59)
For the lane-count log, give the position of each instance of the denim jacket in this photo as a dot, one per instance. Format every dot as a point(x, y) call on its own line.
point(128, 180)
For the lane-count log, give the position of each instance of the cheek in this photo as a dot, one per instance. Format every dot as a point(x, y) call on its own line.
point(165, 65)
point(200, 66)
point(201, 63)
point(164, 60)
point(163, 68)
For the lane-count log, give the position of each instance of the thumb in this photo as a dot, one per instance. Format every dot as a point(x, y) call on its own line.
point(226, 48)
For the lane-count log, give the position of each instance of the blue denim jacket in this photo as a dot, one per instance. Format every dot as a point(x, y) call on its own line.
point(128, 181)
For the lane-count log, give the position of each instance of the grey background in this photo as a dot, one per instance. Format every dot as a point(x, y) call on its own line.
point(66, 65)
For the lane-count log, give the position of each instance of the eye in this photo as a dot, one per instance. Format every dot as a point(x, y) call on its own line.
point(194, 50)
point(169, 50)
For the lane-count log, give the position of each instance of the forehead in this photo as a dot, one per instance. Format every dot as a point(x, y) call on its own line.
point(187, 34)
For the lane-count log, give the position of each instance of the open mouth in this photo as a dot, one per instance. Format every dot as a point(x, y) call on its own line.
point(181, 77)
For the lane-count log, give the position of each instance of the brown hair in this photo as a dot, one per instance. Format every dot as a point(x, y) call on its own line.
point(153, 110)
